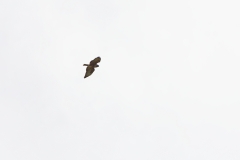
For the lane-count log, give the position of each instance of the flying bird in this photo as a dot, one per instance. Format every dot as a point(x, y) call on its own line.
point(91, 66)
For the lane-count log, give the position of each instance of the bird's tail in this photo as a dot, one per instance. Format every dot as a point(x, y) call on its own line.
point(85, 64)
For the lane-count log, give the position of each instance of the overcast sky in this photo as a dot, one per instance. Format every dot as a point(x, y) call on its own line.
point(168, 85)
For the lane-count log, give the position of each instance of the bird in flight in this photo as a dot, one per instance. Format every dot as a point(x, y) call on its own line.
point(91, 66)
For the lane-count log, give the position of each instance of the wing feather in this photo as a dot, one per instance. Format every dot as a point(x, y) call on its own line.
point(95, 61)
point(89, 71)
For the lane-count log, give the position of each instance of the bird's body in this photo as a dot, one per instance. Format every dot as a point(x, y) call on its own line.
point(91, 66)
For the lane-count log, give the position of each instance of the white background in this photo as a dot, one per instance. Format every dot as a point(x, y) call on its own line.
point(168, 85)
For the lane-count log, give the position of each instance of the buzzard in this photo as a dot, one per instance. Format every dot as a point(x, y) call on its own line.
point(90, 67)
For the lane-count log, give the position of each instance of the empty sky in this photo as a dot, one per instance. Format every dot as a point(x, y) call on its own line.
point(168, 85)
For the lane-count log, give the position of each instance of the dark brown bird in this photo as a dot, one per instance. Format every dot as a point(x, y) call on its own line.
point(91, 66)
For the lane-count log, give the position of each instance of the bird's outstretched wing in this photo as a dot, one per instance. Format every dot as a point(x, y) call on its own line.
point(95, 61)
point(89, 71)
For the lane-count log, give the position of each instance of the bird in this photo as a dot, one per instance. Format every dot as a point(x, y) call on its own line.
point(91, 66)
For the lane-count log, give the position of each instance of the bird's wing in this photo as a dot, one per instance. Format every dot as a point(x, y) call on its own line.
point(95, 61)
point(89, 71)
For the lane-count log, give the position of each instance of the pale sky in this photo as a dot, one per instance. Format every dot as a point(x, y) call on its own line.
point(168, 85)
